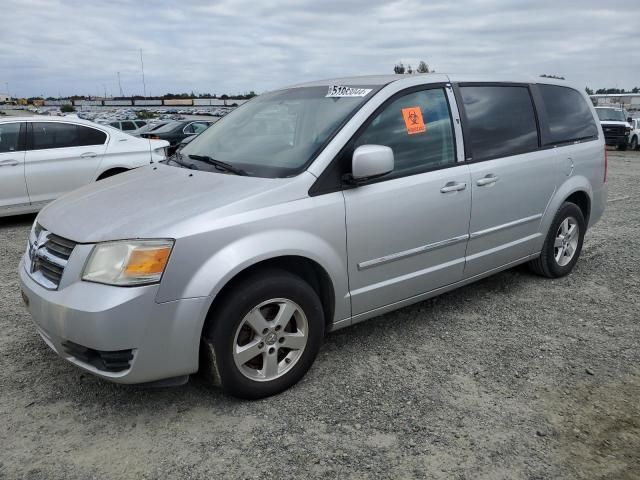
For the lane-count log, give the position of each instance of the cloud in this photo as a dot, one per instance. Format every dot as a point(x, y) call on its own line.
point(63, 47)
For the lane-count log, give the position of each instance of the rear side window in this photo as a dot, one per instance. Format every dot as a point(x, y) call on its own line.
point(568, 116)
point(501, 121)
point(199, 127)
point(9, 137)
point(64, 135)
point(127, 126)
point(90, 136)
point(418, 128)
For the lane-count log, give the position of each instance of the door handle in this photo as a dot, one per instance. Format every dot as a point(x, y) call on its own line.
point(89, 155)
point(488, 180)
point(453, 187)
point(10, 162)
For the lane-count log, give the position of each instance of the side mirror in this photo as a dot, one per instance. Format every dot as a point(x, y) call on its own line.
point(371, 161)
point(630, 120)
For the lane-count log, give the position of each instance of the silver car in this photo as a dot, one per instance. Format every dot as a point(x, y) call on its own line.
point(309, 209)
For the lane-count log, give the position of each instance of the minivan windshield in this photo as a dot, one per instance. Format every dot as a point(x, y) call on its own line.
point(611, 115)
point(276, 134)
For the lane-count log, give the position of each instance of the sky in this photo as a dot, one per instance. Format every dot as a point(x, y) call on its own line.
point(64, 47)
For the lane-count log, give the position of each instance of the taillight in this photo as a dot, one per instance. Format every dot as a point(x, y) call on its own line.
point(606, 163)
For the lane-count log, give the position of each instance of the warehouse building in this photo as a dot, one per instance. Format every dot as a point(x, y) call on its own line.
point(628, 101)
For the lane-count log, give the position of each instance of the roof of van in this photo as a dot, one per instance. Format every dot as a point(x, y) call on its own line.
point(372, 80)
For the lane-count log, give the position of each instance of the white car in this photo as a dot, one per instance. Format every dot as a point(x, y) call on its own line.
point(634, 136)
point(132, 127)
point(44, 158)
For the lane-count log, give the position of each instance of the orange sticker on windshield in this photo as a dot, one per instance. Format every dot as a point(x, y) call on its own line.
point(413, 120)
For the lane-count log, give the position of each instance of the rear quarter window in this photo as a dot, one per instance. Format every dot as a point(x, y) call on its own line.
point(90, 136)
point(568, 116)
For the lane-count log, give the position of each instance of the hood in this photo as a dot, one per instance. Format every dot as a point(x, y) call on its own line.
point(614, 123)
point(156, 200)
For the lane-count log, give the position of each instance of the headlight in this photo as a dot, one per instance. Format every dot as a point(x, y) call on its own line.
point(128, 262)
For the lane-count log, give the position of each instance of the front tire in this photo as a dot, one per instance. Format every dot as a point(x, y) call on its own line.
point(563, 244)
point(634, 143)
point(265, 334)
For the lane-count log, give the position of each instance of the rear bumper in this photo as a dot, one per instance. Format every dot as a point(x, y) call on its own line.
point(163, 338)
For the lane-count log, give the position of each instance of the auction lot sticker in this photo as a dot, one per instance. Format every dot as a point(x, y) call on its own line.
point(413, 120)
point(336, 91)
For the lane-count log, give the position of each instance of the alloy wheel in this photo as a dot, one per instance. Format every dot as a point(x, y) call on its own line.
point(270, 339)
point(566, 241)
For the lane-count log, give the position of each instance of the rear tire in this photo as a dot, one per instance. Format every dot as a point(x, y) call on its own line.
point(265, 334)
point(563, 244)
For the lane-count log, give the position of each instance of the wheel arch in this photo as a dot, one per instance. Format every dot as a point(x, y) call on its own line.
point(581, 199)
point(576, 189)
point(309, 270)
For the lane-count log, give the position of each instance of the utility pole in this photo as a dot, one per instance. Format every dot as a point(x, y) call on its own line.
point(144, 85)
point(8, 94)
point(105, 90)
point(120, 85)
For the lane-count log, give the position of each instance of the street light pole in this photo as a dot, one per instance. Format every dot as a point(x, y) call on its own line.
point(144, 85)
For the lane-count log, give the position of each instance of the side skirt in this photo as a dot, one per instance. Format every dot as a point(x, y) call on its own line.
point(425, 296)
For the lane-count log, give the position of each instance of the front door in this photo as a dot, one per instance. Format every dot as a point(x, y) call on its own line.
point(13, 188)
point(407, 232)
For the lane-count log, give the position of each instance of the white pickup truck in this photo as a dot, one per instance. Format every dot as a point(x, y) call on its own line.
point(615, 125)
point(634, 136)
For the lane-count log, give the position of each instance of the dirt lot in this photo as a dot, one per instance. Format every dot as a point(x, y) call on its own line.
point(514, 377)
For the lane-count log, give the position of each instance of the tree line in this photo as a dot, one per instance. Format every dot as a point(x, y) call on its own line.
point(609, 91)
point(422, 67)
point(166, 96)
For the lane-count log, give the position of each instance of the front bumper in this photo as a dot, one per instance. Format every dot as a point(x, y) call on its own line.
point(616, 141)
point(164, 338)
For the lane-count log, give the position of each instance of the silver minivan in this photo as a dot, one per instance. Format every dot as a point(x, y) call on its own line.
point(309, 209)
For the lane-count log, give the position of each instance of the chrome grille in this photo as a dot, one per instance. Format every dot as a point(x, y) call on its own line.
point(47, 256)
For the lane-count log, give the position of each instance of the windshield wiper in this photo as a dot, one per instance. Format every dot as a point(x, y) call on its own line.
point(220, 165)
point(177, 158)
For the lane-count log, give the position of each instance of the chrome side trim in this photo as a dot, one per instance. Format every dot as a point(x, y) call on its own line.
point(504, 226)
point(424, 296)
point(409, 253)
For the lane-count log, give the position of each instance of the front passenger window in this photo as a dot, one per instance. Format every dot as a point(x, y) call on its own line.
point(418, 128)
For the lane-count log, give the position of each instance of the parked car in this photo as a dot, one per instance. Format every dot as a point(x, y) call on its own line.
point(175, 132)
point(43, 159)
point(132, 127)
point(616, 126)
point(634, 134)
point(151, 126)
point(186, 141)
point(307, 210)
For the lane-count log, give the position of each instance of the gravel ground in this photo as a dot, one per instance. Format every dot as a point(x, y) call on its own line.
point(514, 377)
